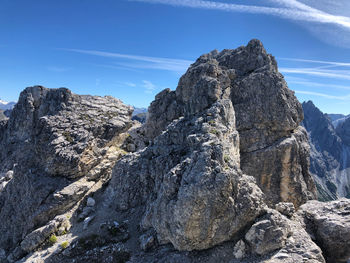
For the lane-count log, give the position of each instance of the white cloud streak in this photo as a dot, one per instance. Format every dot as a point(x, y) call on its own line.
point(318, 85)
point(330, 63)
point(327, 96)
point(170, 64)
point(336, 74)
point(148, 86)
point(293, 10)
point(58, 69)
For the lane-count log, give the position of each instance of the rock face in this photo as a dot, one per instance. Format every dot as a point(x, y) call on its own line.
point(231, 115)
point(329, 224)
point(267, 117)
point(191, 170)
point(52, 138)
point(216, 173)
point(330, 152)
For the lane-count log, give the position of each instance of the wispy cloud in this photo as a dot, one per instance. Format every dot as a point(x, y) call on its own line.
point(148, 86)
point(335, 74)
point(319, 85)
point(289, 9)
point(331, 63)
point(130, 84)
point(346, 97)
point(58, 69)
point(170, 64)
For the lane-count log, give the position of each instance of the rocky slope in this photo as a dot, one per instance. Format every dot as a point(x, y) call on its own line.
point(330, 152)
point(53, 145)
point(216, 173)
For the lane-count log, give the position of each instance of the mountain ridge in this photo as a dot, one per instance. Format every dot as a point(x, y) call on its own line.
point(219, 171)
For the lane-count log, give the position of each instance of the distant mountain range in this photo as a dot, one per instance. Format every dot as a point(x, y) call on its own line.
point(329, 137)
point(4, 105)
point(139, 114)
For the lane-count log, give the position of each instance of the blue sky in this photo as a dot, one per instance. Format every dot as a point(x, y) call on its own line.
point(134, 49)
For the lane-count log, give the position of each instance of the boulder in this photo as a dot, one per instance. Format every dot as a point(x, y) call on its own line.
point(329, 225)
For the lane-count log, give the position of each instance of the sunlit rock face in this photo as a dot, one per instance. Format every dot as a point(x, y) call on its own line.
point(51, 143)
point(232, 116)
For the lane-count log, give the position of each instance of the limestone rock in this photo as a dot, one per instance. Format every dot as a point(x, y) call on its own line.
point(239, 251)
point(61, 133)
point(267, 114)
point(51, 141)
point(286, 209)
point(90, 202)
point(269, 233)
point(189, 181)
point(329, 225)
point(299, 247)
point(38, 236)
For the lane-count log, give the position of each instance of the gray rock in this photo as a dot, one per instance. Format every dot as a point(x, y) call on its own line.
point(329, 225)
point(202, 177)
point(52, 139)
point(38, 236)
point(267, 114)
point(269, 233)
point(90, 202)
point(147, 242)
point(240, 250)
point(87, 221)
point(2, 254)
point(286, 209)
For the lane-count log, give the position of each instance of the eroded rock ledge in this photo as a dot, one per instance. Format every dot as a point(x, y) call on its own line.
point(219, 171)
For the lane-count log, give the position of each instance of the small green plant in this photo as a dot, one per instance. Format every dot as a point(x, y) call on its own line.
point(64, 244)
point(214, 131)
point(52, 239)
point(226, 158)
point(67, 136)
point(64, 232)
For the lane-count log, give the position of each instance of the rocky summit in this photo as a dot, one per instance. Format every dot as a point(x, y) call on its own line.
point(218, 172)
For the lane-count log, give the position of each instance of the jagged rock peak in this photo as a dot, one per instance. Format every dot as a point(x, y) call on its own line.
point(52, 148)
point(63, 126)
point(267, 115)
point(231, 118)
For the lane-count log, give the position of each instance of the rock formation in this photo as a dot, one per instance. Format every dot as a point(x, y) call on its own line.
point(330, 151)
point(267, 116)
point(52, 144)
point(219, 171)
